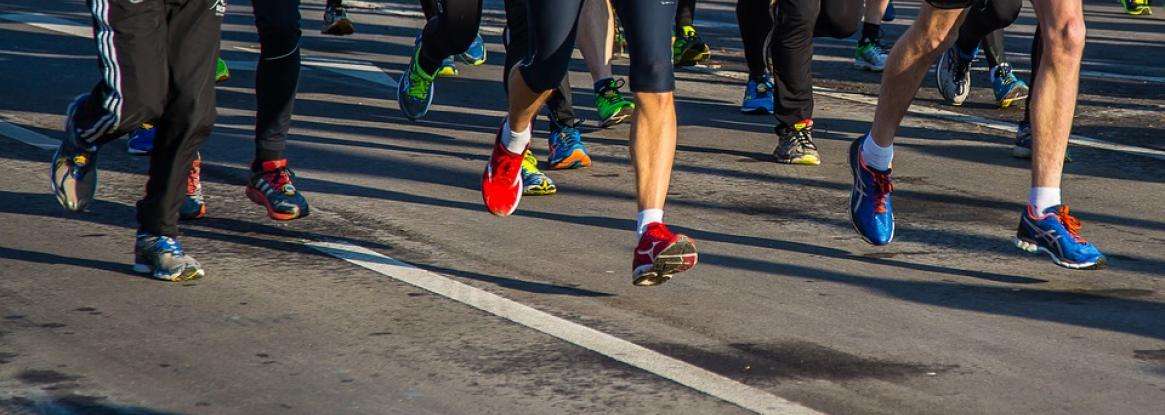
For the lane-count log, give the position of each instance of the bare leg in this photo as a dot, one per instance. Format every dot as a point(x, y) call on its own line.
point(1053, 100)
point(524, 103)
point(653, 146)
point(907, 64)
point(594, 43)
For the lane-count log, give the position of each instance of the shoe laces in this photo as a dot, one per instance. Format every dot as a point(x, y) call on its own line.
point(1071, 223)
point(418, 83)
point(802, 137)
point(568, 137)
point(610, 93)
point(280, 179)
point(883, 185)
point(194, 178)
point(1004, 75)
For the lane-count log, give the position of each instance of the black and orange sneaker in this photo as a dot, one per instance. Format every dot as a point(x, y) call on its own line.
point(272, 188)
point(193, 205)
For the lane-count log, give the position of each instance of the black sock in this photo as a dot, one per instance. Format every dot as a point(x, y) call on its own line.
point(871, 32)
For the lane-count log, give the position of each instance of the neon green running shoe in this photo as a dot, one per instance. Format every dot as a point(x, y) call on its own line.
point(1137, 7)
point(414, 92)
point(534, 182)
point(688, 49)
point(221, 72)
point(610, 104)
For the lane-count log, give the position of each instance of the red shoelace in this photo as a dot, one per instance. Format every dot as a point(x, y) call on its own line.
point(882, 187)
point(194, 179)
point(1070, 223)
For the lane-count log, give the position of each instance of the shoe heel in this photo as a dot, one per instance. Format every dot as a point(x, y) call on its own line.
point(1025, 245)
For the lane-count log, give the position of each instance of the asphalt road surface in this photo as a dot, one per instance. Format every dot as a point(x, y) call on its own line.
point(788, 311)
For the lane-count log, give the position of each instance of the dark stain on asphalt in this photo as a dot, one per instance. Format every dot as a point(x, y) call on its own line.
point(92, 235)
point(14, 316)
point(44, 377)
point(796, 359)
point(1119, 292)
point(52, 325)
point(85, 309)
point(6, 357)
point(1157, 355)
point(263, 355)
point(415, 294)
point(886, 255)
point(380, 333)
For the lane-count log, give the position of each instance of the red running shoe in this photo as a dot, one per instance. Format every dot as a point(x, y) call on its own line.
point(501, 184)
point(272, 188)
point(661, 254)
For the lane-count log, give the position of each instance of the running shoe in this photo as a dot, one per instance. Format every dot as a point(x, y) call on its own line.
point(141, 140)
point(567, 150)
point(795, 144)
point(889, 14)
point(193, 205)
point(661, 254)
point(475, 55)
point(688, 49)
point(221, 72)
point(162, 257)
point(1137, 7)
point(448, 68)
point(612, 107)
point(758, 96)
point(336, 22)
point(501, 183)
point(1057, 233)
point(870, 56)
point(953, 76)
point(415, 89)
point(1023, 143)
point(534, 181)
point(272, 188)
point(870, 210)
point(74, 167)
point(1008, 88)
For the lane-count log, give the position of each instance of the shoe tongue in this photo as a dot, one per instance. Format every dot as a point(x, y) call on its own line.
point(803, 124)
point(272, 165)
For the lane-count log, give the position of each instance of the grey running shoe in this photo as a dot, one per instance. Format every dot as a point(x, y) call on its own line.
point(953, 76)
point(74, 166)
point(795, 144)
point(162, 258)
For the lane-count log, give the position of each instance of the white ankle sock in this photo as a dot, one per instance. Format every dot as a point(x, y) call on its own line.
point(1042, 198)
point(515, 141)
point(876, 156)
point(647, 216)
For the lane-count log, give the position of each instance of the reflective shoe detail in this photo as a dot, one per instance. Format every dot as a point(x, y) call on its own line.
point(870, 56)
point(162, 257)
point(688, 49)
point(795, 144)
point(534, 182)
point(448, 68)
point(1057, 233)
point(193, 204)
point(273, 189)
point(73, 173)
point(1008, 88)
point(612, 107)
point(1136, 7)
point(221, 72)
point(501, 183)
point(141, 140)
point(414, 92)
point(870, 210)
point(476, 53)
point(336, 22)
point(1023, 143)
point(953, 76)
point(758, 96)
point(567, 150)
point(661, 254)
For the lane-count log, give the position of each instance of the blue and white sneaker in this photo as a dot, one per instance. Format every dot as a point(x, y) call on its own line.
point(1008, 88)
point(414, 92)
point(870, 210)
point(141, 140)
point(758, 96)
point(73, 173)
point(162, 258)
point(567, 150)
point(476, 54)
point(1057, 233)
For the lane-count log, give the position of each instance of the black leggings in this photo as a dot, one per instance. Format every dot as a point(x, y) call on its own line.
point(516, 39)
point(647, 23)
point(797, 22)
point(452, 26)
point(755, 18)
point(277, 76)
point(984, 25)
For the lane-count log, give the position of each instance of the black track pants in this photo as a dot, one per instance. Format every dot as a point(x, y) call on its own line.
point(517, 42)
point(277, 76)
point(797, 22)
point(452, 26)
point(755, 18)
point(984, 25)
point(156, 61)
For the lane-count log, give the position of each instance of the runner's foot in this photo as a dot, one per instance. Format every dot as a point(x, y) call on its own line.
point(193, 204)
point(336, 22)
point(758, 96)
point(609, 102)
point(273, 189)
point(567, 150)
point(661, 254)
point(953, 76)
point(1057, 233)
point(162, 257)
point(534, 181)
point(870, 210)
point(795, 144)
point(501, 183)
point(74, 165)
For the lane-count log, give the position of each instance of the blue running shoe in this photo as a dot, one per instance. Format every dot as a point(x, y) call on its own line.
point(162, 258)
point(415, 90)
point(758, 96)
point(1008, 88)
point(1057, 234)
point(141, 140)
point(475, 55)
point(567, 150)
point(870, 210)
point(74, 166)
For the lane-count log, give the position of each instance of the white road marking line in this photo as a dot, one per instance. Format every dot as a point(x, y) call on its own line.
point(616, 348)
point(351, 68)
point(56, 24)
point(27, 136)
point(1075, 139)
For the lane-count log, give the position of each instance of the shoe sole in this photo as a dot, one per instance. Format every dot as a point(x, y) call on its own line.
point(616, 119)
point(755, 110)
point(1035, 248)
point(853, 169)
point(1007, 101)
point(576, 160)
point(201, 214)
point(257, 197)
point(342, 27)
point(687, 58)
point(867, 67)
point(448, 72)
point(539, 192)
point(806, 160)
point(669, 262)
point(185, 275)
